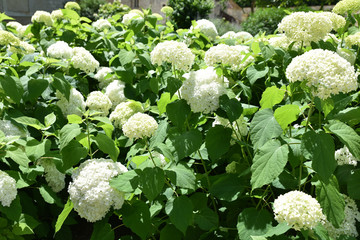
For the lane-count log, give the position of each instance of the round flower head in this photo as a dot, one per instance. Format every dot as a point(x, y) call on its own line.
point(22, 48)
point(228, 55)
point(353, 40)
point(90, 190)
point(21, 31)
point(98, 101)
point(299, 210)
point(42, 17)
point(60, 49)
point(8, 189)
point(10, 129)
point(243, 36)
point(83, 60)
point(8, 38)
point(229, 34)
point(72, 6)
point(139, 125)
point(305, 27)
point(202, 90)
point(345, 6)
point(56, 14)
point(282, 41)
point(54, 177)
point(167, 10)
point(103, 78)
point(75, 105)
point(115, 92)
point(337, 20)
point(127, 18)
point(325, 72)
point(13, 24)
point(344, 156)
point(124, 111)
point(176, 53)
point(101, 24)
point(207, 28)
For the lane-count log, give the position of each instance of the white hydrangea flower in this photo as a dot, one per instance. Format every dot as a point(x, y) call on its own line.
point(102, 77)
point(139, 125)
point(344, 156)
point(337, 20)
point(56, 14)
point(13, 24)
point(60, 49)
point(348, 226)
point(8, 189)
point(243, 36)
point(162, 160)
point(115, 92)
point(10, 129)
point(42, 17)
point(324, 71)
point(202, 90)
point(228, 55)
point(353, 40)
point(54, 178)
point(90, 190)
point(240, 125)
point(176, 53)
point(229, 34)
point(127, 18)
point(75, 105)
point(22, 48)
point(347, 54)
point(101, 24)
point(282, 41)
point(207, 28)
point(83, 60)
point(344, 6)
point(72, 6)
point(8, 38)
point(98, 101)
point(124, 111)
point(299, 210)
point(305, 26)
point(332, 37)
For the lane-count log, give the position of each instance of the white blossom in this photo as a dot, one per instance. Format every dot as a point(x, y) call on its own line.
point(97, 101)
point(8, 189)
point(42, 17)
point(60, 49)
point(56, 14)
point(127, 18)
point(207, 28)
point(115, 92)
point(343, 156)
point(54, 178)
point(124, 111)
point(75, 105)
point(101, 24)
point(83, 60)
point(103, 78)
point(345, 6)
point(139, 125)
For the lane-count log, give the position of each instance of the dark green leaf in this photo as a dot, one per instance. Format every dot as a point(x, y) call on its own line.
point(14, 211)
point(228, 187)
point(102, 230)
point(151, 182)
point(252, 222)
point(12, 87)
point(137, 218)
point(217, 141)
point(181, 213)
point(170, 232)
point(354, 185)
point(72, 154)
point(178, 111)
point(187, 143)
point(254, 72)
point(206, 219)
point(107, 145)
point(232, 107)
point(181, 175)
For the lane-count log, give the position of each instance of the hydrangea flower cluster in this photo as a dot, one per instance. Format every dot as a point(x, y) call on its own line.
point(56, 14)
point(299, 210)
point(202, 90)
point(305, 26)
point(54, 178)
point(345, 6)
point(324, 71)
point(242, 36)
point(42, 17)
point(60, 49)
point(176, 53)
point(97, 101)
point(22, 48)
point(10, 129)
point(228, 55)
point(8, 189)
point(139, 125)
point(337, 20)
point(207, 28)
point(19, 28)
point(75, 105)
point(102, 77)
point(8, 38)
point(124, 111)
point(101, 24)
point(72, 6)
point(167, 10)
point(115, 92)
point(353, 39)
point(240, 125)
point(83, 60)
point(127, 18)
point(13, 24)
point(90, 190)
point(282, 41)
point(343, 156)
point(348, 226)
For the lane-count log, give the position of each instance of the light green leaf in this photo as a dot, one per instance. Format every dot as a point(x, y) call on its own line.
point(181, 213)
point(107, 145)
point(125, 182)
point(73, 118)
point(217, 141)
point(126, 57)
point(286, 114)
point(29, 121)
point(181, 175)
point(68, 133)
point(18, 156)
point(160, 134)
point(33, 69)
point(49, 196)
point(255, 72)
point(63, 215)
point(271, 96)
point(164, 101)
point(34, 149)
point(25, 225)
point(49, 119)
point(252, 222)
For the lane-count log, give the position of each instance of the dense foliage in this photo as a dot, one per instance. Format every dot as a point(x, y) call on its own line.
point(285, 3)
point(124, 128)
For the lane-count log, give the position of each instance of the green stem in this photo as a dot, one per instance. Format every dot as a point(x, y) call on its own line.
point(148, 149)
point(262, 197)
point(88, 137)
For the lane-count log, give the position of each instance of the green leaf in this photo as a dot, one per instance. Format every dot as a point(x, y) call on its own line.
point(279, 229)
point(33, 69)
point(331, 201)
point(49, 196)
point(25, 225)
point(32, 122)
point(107, 145)
point(137, 218)
point(268, 163)
point(14, 211)
point(125, 182)
point(187, 143)
point(159, 135)
point(34, 149)
point(181, 175)
point(217, 141)
point(349, 116)
point(12, 87)
point(320, 148)
point(252, 222)
point(255, 72)
point(321, 232)
point(178, 111)
point(102, 230)
point(228, 187)
point(181, 213)
point(18, 156)
point(49, 119)
point(35, 88)
point(353, 185)
point(68, 133)
point(347, 136)
point(61, 84)
point(327, 106)
point(72, 154)
point(63, 215)
point(151, 182)
point(206, 219)
point(286, 114)
point(264, 127)
point(145, 60)
point(173, 84)
point(73, 118)
point(126, 57)
point(164, 101)
point(170, 232)
point(232, 107)
point(271, 96)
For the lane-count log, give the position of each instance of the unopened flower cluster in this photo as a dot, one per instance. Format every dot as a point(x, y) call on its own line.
point(8, 189)
point(353, 40)
point(345, 6)
point(103, 78)
point(325, 71)
point(202, 90)
point(343, 156)
point(83, 60)
point(207, 28)
point(139, 125)
point(115, 92)
point(124, 111)
point(90, 190)
point(234, 56)
point(101, 24)
point(97, 101)
point(348, 226)
point(54, 178)
point(42, 17)
point(299, 210)
point(60, 49)
point(75, 105)
point(176, 53)
point(72, 6)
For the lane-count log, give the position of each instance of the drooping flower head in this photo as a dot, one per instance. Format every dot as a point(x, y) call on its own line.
point(54, 178)
point(325, 72)
point(124, 111)
point(8, 189)
point(90, 190)
point(101, 24)
point(60, 49)
point(176, 53)
point(75, 105)
point(207, 28)
point(345, 6)
point(299, 210)
point(98, 101)
point(42, 17)
point(115, 92)
point(140, 125)
point(83, 60)
point(72, 6)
